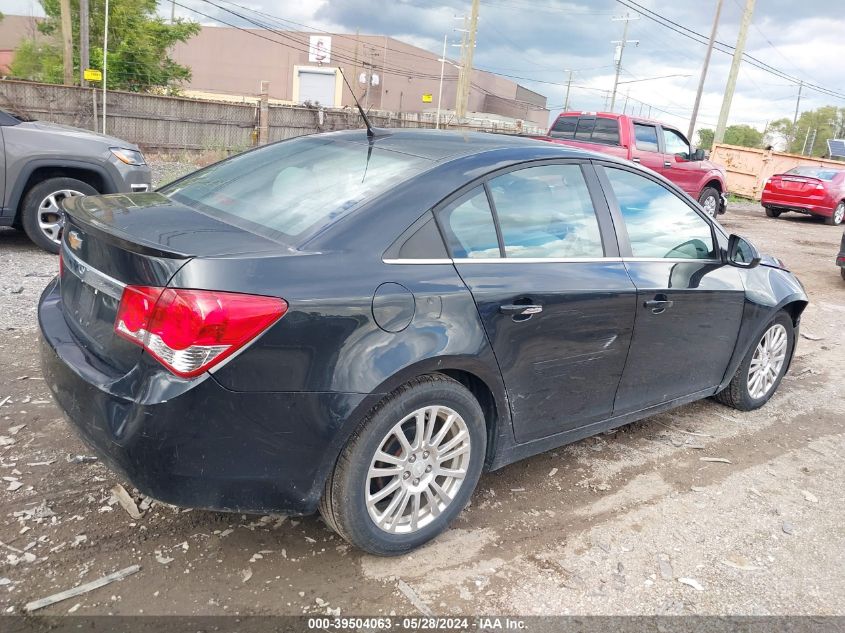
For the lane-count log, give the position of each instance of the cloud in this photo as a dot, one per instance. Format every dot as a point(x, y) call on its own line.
point(536, 41)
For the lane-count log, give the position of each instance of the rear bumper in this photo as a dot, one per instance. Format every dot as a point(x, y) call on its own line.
point(813, 207)
point(207, 447)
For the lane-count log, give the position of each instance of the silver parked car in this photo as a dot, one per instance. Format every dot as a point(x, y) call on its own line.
point(43, 163)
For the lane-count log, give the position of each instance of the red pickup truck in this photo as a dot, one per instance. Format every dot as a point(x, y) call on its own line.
point(654, 145)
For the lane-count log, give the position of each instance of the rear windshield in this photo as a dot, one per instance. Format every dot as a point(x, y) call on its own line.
point(814, 172)
point(587, 128)
point(292, 190)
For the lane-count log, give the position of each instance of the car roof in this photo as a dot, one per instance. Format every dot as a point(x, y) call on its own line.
point(441, 145)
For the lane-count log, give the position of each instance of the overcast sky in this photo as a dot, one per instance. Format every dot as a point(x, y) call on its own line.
point(536, 40)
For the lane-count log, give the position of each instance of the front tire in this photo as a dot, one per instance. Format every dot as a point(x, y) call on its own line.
point(709, 200)
point(409, 469)
point(773, 213)
point(41, 215)
point(764, 366)
point(838, 215)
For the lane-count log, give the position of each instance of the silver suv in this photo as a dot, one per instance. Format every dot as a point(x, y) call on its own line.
point(44, 163)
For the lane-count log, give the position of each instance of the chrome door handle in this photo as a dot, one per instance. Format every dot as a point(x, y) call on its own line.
point(520, 310)
point(666, 163)
point(635, 159)
point(659, 304)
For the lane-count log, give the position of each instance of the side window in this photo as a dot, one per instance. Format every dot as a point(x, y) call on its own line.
point(564, 127)
point(675, 143)
point(606, 131)
point(646, 137)
point(659, 223)
point(546, 212)
point(469, 228)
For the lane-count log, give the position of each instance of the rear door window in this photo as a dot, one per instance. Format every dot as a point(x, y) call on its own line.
point(546, 212)
point(469, 228)
point(646, 136)
point(295, 188)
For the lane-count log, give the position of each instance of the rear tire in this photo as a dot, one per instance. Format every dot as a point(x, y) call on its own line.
point(413, 512)
point(772, 354)
point(838, 215)
point(842, 272)
point(710, 200)
point(40, 212)
point(773, 213)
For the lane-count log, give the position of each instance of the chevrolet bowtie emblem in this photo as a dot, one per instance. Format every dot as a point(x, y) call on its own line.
point(74, 241)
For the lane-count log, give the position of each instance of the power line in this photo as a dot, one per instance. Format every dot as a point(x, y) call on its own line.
point(723, 47)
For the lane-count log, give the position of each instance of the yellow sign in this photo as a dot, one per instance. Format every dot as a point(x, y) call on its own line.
point(427, 98)
point(91, 74)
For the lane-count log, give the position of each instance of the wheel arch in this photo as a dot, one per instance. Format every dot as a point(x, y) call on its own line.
point(37, 171)
point(486, 385)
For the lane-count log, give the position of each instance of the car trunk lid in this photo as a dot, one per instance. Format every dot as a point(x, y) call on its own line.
point(114, 241)
point(795, 184)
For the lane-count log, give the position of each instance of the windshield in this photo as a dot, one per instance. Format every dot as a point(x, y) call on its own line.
point(295, 188)
point(814, 172)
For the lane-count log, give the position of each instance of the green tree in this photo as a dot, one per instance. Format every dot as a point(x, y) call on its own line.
point(139, 45)
point(705, 138)
point(827, 121)
point(741, 135)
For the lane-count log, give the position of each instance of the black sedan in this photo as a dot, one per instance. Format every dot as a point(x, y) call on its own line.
point(363, 325)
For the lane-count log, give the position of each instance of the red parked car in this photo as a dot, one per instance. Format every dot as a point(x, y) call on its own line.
point(655, 145)
point(818, 191)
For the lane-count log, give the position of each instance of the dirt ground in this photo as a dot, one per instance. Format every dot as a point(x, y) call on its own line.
point(631, 522)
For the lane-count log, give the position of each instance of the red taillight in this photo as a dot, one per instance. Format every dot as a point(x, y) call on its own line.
point(190, 331)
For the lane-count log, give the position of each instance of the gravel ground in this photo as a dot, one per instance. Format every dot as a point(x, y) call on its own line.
point(630, 522)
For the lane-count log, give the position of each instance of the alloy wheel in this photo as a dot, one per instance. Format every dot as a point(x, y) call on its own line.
point(417, 469)
point(50, 214)
point(710, 205)
point(839, 213)
point(768, 361)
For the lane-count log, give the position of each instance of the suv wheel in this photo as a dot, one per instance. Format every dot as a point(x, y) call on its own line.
point(838, 215)
point(709, 200)
point(41, 214)
point(409, 469)
point(762, 369)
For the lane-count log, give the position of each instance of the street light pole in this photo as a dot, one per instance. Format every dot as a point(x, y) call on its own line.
point(440, 91)
point(105, 61)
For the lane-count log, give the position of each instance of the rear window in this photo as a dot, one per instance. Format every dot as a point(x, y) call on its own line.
point(564, 127)
point(587, 128)
point(294, 189)
point(814, 172)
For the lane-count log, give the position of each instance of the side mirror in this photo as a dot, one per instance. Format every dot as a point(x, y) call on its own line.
point(698, 154)
point(742, 253)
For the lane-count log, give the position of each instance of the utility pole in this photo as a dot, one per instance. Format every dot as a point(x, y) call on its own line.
point(734, 73)
point(467, 60)
point(704, 69)
point(67, 41)
point(440, 90)
point(459, 91)
point(797, 103)
point(105, 60)
point(566, 99)
point(620, 50)
point(84, 57)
